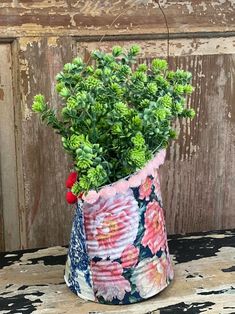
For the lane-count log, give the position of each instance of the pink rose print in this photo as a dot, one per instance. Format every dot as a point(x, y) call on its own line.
point(154, 235)
point(145, 189)
point(129, 256)
point(108, 281)
point(149, 277)
point(111, 225)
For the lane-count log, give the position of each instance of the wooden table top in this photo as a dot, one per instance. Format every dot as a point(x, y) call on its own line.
point(31, 281)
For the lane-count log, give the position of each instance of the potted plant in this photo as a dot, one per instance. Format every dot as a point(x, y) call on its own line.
point(115, 123)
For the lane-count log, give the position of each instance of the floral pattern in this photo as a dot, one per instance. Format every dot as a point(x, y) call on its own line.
point(111, 225)
point(118, 249)
point(145, 189)
point(129, 257)
point(77, 271)
point(154, 235)
point(108, 280)
point(149, 276)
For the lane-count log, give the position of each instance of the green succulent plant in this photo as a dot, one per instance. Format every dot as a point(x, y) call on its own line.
point(115, 115)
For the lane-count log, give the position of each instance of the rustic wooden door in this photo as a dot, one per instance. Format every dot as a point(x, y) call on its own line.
point(38, 37)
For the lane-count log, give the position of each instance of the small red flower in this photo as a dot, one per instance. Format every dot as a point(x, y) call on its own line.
point(72, 178)
point(71, 198)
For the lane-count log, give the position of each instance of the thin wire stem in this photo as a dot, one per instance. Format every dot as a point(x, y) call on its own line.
point(103, 36)
point(167, 27)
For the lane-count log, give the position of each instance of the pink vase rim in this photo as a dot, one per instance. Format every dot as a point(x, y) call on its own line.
point(131, 181)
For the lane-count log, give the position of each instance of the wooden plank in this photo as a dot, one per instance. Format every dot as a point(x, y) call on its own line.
point(46, 218)
point(200, 165)
point(2, 240)
point(158, 48)
point(198, 176)
point(199, 172)
point(8, 177)
point(66, 18)
point(18, 135)
point(204, 280)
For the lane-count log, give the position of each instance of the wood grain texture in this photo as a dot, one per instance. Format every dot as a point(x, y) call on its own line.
point(2, 240)
point(46, 218)
point(198, 177)
point(9, 221)
point(204, 282)
point(72, 17)
point(16, 87)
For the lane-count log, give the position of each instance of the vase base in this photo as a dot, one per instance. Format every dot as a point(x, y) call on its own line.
point(131, 300)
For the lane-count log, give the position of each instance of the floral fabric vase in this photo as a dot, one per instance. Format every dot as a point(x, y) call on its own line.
point(118, 251)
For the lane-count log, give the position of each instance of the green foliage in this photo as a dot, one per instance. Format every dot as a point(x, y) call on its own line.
point(115, 115)
point(39, 104)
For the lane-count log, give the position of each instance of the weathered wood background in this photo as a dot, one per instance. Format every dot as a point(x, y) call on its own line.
point(38, 37)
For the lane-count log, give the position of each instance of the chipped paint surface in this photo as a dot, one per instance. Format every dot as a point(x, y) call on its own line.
point(135, 16)
point(204, 280)
point(177, 47)
point(25, 81)
point(39, 62)
point(52, 41)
